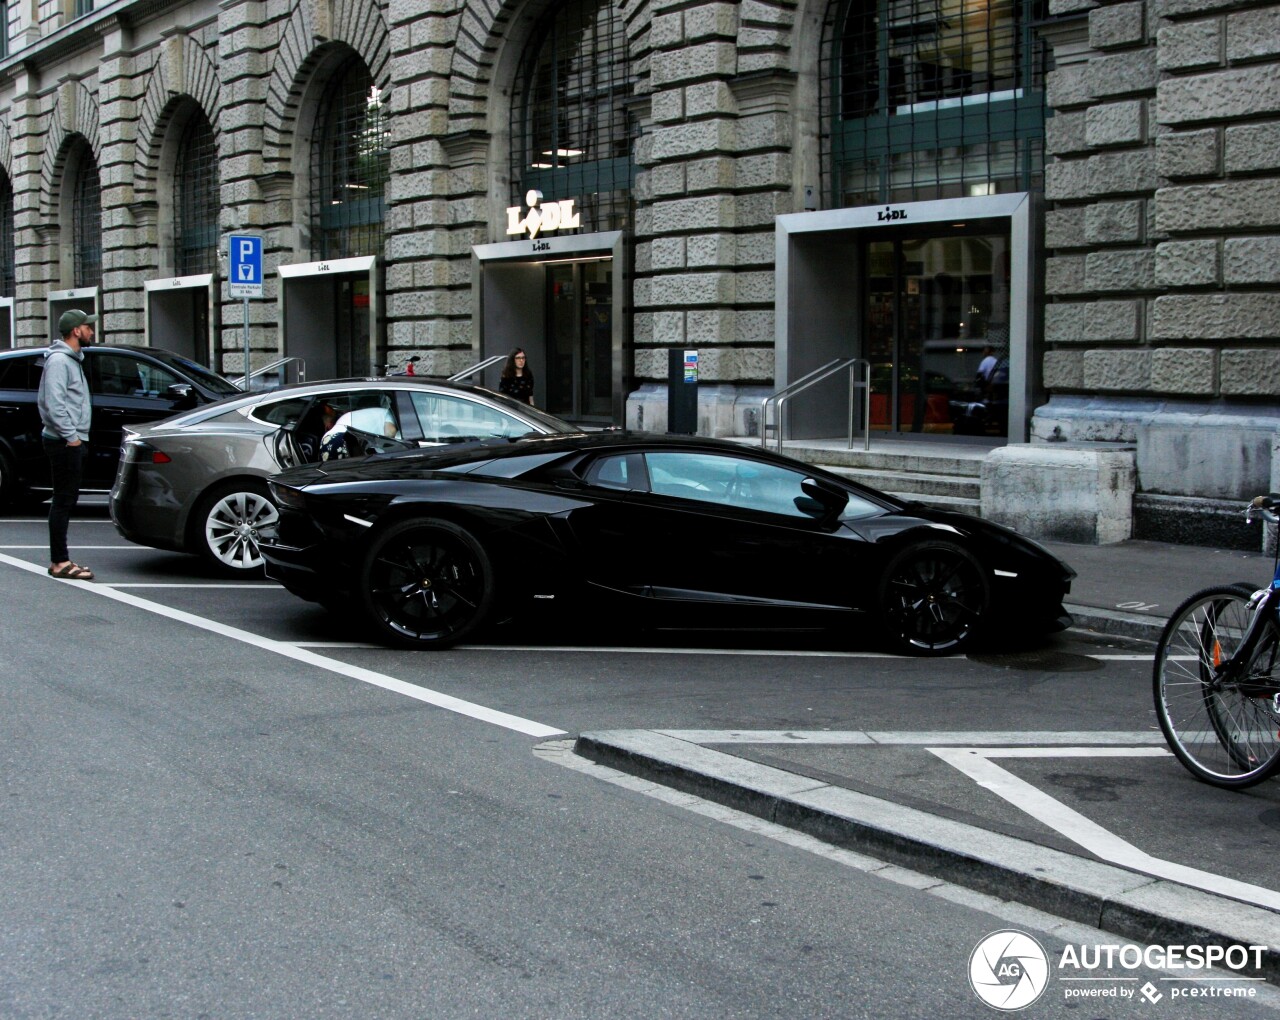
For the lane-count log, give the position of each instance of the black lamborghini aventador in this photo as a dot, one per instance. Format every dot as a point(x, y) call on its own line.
point(432, 545)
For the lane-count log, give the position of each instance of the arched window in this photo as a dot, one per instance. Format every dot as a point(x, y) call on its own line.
point(8, 279)
point(86, 219)
point(571, 131)
point(195, 199)
point(932, 99)
point(350, 166)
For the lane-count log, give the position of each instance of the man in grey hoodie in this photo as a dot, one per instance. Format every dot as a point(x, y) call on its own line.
point(65, 413)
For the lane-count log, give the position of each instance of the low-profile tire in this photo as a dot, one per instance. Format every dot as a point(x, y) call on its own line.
point(229, 523)
point(933, 598)
point(426, 583)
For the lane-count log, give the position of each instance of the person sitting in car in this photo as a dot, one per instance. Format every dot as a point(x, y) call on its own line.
point(375, 419)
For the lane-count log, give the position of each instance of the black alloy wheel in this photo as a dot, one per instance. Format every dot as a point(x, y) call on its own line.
point(933, 598)
point(426, 584)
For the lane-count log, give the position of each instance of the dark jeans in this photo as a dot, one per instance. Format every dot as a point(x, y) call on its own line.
point(64, 467)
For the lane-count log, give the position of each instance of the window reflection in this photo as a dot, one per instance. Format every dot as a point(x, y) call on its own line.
point(352, 164)
point(934, 99)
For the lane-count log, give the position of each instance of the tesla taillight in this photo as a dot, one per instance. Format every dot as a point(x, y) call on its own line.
point(138, 452)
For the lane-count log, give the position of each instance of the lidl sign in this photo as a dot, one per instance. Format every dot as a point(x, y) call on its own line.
point(542, 217)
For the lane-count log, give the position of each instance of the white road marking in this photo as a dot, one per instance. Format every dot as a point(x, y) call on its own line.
point(967, 738)
point(629, 650)
point(78, 546)
point(290, 651)
point(43, 521)
point(643, 650)
point(976, 763)
point(623, 650)
point(186, 584)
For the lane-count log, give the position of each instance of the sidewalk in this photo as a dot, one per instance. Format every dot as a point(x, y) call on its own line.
point(976, 809)
point(1131, 588)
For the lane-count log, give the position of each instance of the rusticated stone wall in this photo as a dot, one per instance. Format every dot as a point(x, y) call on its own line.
point(1162, 275)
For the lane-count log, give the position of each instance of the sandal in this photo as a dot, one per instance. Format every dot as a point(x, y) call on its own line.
point(72, 572)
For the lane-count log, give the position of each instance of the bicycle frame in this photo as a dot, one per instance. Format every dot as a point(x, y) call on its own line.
point(1266, 604)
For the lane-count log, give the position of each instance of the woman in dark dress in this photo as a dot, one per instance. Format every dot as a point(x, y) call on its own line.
point(517, 378)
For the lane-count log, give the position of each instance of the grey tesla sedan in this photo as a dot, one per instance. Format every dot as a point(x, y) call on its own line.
point(196, 482)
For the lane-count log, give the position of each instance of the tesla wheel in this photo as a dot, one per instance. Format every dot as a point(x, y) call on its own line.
point(426, 584)
point(1224, 729)
point(229, 523)
point(933, 598)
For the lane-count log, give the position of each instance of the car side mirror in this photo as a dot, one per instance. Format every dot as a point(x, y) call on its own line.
point(821, 500)
point(182, 394)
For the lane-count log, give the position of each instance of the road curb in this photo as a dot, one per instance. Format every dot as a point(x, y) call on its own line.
point(1116, 624)
point(1134, 906)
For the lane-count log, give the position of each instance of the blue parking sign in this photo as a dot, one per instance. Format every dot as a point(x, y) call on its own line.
point(245, 266)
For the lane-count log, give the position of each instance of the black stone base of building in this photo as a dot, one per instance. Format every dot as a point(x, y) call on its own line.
point(1185, 520)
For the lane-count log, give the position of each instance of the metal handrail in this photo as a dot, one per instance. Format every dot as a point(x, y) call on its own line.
point(779, 400)
point(243, 381)
point(479, 366)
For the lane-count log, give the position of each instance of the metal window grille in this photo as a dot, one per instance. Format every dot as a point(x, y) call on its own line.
point(8, 277)
point(196, 200)
point(572, 132)
point(351, 164)
point(86, 223)
point(932, 99)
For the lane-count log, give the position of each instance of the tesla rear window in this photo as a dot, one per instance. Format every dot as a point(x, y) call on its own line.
point(281, 412)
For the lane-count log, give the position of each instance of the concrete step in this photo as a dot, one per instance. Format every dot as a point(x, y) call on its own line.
point(915, 482)
point(967, 463)
point(956, 504)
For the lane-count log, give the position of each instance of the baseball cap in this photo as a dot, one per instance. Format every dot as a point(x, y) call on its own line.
point(72, 318)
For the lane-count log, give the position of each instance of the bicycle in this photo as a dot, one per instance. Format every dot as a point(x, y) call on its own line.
point(407, 368)
point(1216, 688)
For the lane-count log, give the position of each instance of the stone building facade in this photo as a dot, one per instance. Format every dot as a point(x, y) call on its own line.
point(1162, 282)
point(700, 182)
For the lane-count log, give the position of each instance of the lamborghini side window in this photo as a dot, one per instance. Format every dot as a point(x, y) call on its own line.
point(620, 471)
point(728, 481)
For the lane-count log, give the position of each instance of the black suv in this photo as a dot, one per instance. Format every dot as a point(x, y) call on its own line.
point(128, 385)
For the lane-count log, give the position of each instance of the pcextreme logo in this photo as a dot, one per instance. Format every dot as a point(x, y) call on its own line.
point(1008, 970)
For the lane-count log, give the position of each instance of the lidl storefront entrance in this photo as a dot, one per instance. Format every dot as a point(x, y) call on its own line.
point(558, 299)
point(927, 293)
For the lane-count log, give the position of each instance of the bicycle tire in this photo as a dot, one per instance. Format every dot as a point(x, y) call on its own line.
point(1224, 733)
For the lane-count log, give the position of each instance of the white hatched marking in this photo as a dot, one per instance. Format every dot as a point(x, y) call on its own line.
point(976, 763)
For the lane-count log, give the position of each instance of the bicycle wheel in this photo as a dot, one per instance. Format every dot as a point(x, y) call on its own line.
point(1225, 731)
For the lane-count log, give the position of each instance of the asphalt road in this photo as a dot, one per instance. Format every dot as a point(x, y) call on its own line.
point(219, 802)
